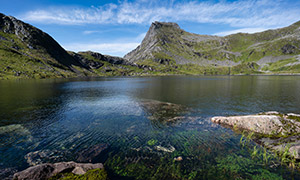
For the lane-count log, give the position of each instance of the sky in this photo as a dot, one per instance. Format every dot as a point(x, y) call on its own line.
point(116, 27)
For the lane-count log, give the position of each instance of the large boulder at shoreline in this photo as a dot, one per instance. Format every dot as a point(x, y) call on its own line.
point(47, 170)
point(269, 123)
point(273, 130)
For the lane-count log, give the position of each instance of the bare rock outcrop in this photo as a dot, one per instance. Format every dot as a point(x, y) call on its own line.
point(47, 170)
point(273, 130)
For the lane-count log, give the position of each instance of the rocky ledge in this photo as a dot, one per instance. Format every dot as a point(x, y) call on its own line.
point(48, 170)
point(272, 130)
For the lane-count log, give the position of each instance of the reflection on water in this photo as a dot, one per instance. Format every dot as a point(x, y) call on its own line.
point(133, 124)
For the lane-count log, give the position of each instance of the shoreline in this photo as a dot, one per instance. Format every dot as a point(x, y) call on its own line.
point(147, 75)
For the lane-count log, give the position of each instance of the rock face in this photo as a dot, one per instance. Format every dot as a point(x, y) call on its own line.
point(36, 39)
point(275, 131)
point(167, 43)
point(47, 170)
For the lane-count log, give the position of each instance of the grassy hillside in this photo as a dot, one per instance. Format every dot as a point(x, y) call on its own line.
point(27, 52)
point(166, 43)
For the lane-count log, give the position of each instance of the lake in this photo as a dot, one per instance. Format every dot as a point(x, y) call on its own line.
point(142, 127)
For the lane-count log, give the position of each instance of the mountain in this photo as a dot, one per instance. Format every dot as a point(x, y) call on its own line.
point(269, 51)
point(27, 52)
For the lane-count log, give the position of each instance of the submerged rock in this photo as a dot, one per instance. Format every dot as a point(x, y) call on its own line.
point(164, 113)
point(91, 153)
point(161, 148)
point(14, 135)
point(38, 157)
point(47, 170)
point(273, 130)
point(179, 158)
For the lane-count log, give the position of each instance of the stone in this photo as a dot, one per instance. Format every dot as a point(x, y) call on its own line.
point(161, 148)
point(288, 49)
point(78, 171)
point(38, 157)
point(264, 124)
point(179, 158)
point(42, 171)
point(91, 153)
point(164, 113)
point(47, 170)
point(276, 131)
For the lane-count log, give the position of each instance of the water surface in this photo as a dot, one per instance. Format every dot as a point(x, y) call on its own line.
point(142, 123)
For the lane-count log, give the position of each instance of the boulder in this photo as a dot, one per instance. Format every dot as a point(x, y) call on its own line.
point(274, 130)
point(47, 170)
point(270, 123)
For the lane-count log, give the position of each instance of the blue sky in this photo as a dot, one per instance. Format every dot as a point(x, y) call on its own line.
point(117, 27)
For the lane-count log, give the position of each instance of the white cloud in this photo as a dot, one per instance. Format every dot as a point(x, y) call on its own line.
point(90, 32)
point(116, 49)
point(243, 30)
point(246, 13)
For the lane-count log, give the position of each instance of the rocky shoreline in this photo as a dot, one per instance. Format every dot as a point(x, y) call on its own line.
point(273, 130)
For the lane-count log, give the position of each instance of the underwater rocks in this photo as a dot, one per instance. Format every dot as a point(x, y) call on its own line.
point(14, 134)
point(38, 157)
point(47, 170)
point(273, 130)
point(91, 153)
point(161, 148)
point(163, 114)
point(179, 158)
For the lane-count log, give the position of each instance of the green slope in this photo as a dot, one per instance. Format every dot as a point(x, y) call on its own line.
point(27, 52)
point(166, 43)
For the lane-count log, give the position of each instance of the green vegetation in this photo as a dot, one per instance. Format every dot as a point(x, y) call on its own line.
point(239, 167)
point(152, 142)
point(35, 55)
point(198, 161)
point(184, 48)
point(280, 66)
point(95, 174)
point(263, 155)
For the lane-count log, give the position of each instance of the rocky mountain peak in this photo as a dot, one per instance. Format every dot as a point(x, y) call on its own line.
point(9, 24)
point(156, 34)
point(157, 25)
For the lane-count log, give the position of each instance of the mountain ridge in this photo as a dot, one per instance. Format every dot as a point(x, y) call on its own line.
point(28, 52)
point(167, 42)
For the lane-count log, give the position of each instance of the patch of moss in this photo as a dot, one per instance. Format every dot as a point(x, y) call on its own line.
point(95, 174)
point(279, 65)
point(239, 167)
point(152, 142)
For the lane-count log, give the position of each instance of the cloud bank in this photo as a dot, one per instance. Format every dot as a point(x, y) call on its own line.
point(246, 13)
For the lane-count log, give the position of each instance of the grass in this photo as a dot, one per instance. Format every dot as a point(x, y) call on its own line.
point(152, 142)
point(279, 65)
point(20, 62)
point(95, 174)
point(262, 154)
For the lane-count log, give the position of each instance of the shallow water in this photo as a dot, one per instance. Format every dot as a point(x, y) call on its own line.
point(142, 123)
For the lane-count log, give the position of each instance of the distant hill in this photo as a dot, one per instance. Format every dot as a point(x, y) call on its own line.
point(27, 52)
point(269, 51)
